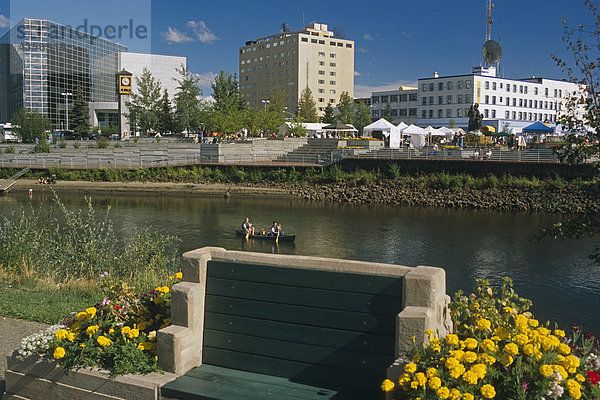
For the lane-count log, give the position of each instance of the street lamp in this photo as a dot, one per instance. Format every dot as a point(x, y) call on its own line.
point(265, 103)
point(66, 94)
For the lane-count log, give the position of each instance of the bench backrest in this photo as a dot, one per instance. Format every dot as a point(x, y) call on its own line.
point(332, 329)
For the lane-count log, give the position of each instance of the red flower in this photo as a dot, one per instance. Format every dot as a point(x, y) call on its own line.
point(593, 377)
point(117, 308)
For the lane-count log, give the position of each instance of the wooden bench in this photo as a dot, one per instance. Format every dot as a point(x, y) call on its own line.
point(275, 332)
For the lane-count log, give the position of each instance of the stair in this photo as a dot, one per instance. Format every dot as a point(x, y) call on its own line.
point(314, 152)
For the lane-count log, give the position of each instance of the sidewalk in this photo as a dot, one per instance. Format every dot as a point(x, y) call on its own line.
point(11, 333)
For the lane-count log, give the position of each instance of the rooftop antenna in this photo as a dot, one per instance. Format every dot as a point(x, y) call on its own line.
point(488, 20)
point(492, 51)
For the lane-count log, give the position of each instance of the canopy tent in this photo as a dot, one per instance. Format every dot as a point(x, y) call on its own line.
point(414, 130)
point(538, 127)
point(487, 129)
point(435, 132)
point(385, 129)
point(401, 126)
point(340, 127)
point(312, 128)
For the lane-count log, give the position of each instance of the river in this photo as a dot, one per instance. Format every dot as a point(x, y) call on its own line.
point(469, 244)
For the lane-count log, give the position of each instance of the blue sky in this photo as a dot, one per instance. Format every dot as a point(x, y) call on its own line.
point(397, 41)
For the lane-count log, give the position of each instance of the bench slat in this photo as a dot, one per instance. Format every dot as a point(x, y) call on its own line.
point(321, 298)
point(333, 280)
point(312, 335)
point(345, 320)
point(326, 377)
point(310, 354)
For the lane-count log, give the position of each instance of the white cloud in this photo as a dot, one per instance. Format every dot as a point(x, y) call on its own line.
point(362, 50)
point(4, 22)
point(173, 35)
point(368, 36)
point(205, 80)
point(356, 73)
point(366, 90)
point(406, 35)
point(202, 32)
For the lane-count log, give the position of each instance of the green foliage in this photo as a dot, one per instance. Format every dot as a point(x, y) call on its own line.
point(394, 170)
point(62, 144)
point(226, 92)
point(166, 121)
point(387, 112)
point(80, 120)
point(328, 115)
point(143, 105)
point(297, 129)
point(362, 117)
point(307, 109)
point(31, 125)
point(117, 145)
point(102, 143)
point(187, 105)
point(75, 145)
point(42, 146)
point(346, 109)
point(9, 150)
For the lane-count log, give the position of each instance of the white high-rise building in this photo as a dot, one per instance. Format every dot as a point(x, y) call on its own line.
point(292, 61)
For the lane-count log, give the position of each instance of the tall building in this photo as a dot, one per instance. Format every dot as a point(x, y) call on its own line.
point(403, 104)
point(503, 103)
point(292, 61)
point(42, 64)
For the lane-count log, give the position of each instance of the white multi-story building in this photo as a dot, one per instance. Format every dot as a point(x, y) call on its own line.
point(503, 103)
point(403, 103)
point(293, 61)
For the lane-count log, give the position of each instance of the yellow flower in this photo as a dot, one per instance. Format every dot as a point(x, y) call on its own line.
point(125, 330)
point(82, 345)
point(457, 371)
point(521, 339)
point(91, 330)
point(506, 359)
point(386, 386)
point(561, 371)
point(111, 330)
point(158, 300)
point(571, 363)
point(511, 349)
point(458, 354)
point(402, 380)
point(431, 372)
point(416, 358)
point(488, 345)
point(574, 389)
point(103, 341)
point(81, 316)
point(521, 323)
point(480, 370)
point(580, 378)
point(533, 323)
point(61, 334)
point(146, 346)
point(468, 396)
point(133, 333)
point(59, 353)
point(410, 368)
point(470, 357)
point(502, 333)
point(471, 343)
point(488, 359)
point(484, 324)
point(452, 339)
point(443, 392)
point(546, 370)
point(488, 391)
point(564, 349)
point(179, 275)
point(473, 306)
point(171, 277)
point(91, 312)
point(543, 331)
point(451, 362)
point(71, 336)
point(429, 332)
point(470, 377)
point(507, 310)
point(435, 383)
point(420, 378)
point(559, 333)
point(454, 394)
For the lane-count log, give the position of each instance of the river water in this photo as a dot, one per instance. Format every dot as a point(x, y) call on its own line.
point(469, 244)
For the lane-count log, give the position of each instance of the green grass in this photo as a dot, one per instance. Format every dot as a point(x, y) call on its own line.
point(45, 305)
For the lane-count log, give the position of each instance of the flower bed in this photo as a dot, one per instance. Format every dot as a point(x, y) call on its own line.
point(118, 334)
point(499, 350)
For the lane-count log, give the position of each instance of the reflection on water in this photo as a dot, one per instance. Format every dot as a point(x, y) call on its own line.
point(468, 244)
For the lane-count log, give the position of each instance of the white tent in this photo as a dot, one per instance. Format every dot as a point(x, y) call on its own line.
point(417, 135)
point(402, 126)
point(311, 128)
point(387, 129)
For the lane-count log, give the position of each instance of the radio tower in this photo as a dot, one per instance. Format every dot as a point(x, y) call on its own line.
point(488, 19)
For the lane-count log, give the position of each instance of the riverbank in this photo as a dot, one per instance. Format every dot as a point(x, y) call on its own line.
point(527, 196)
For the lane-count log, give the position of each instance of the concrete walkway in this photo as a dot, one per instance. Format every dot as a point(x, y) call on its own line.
point(11, 333)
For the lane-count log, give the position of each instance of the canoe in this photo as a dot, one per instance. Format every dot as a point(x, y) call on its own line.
point(282, 238)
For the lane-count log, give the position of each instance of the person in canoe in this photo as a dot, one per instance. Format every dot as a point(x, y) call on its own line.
point(276, 229)
point(247, 227)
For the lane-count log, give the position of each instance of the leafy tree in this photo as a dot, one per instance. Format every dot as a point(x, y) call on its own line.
point(226, 92)
point(582, 110)
point(362, 117)
point(81, 115)
point(166, 120)
point(297, 129)
point(32, 125)
point(144, 104)
point(451, 123)
point(346, 108)
point(387, 113)
point(328, 115)
point(307, 108)
point(187, 103)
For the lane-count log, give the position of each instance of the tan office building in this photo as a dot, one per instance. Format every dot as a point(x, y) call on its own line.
point(292, 61)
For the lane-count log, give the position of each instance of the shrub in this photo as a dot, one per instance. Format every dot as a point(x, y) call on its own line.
point(42, 147)
point(102, 143)
point(499, 350)
point(76, 145)
point(10, 150)
point(117, 145)
point(62, 144)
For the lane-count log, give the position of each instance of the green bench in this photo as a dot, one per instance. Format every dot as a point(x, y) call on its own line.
point(273, 332)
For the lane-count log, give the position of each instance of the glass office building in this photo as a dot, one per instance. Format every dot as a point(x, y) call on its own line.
point(40, 60)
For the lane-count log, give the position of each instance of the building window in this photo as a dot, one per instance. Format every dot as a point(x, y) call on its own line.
point(507, 114)
point(331, 91)
point(394, 98)
point(321, 72)
point(487, 84)
point(440, 85)
point(486, 112)
point(493, 113)
point(487, 99)
point(321, 42)
point(508, 87)
point(440, 113)
point(430, 113)
point(440, 99)
point(424, 100)
point(530, 103)
point(459, 99)
point(520, 115)
point(412, 97)
point(424, 114)
point(450, 85)
point(459, 85)
point(535, 91)
point(321, 90)
point(459, 112)
point(403, 112)
point(403, 98)
point(493, 85)
point(424, 87)
point(322, 63)
point(332, 82)
point(332, 73)
point(313, 40)
point(375, 99)
point(305, 39)
point(321, 54)
point(520, 88)
point(332, 65)
point(332, 55)
point(468, 84)
point(321, 82)
point(375, 113)
point(449, 99)
point(349, 45)
point(525, 89)
point(508, 101)
point(493, 99)
point(514, 115)
point(321, 100)
point(412, 112)
point(394, 112)
point(468, 99)
point(448, 113)
point(520, 102)
point(431, 87)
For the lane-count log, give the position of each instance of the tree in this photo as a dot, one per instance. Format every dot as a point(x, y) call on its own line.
point(346, 108)
point(81, 115)
point(166, 121)
point(582, 110)
point(32, 125)
point(226, 92)
point(362, 117)
point(187, 103)
point(451, 123)
point(387, 113)
point(328, 115)
point(144, 104)
point(307, 109)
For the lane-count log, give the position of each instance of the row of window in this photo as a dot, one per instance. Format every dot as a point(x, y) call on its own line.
point(267, 57)
point(464, 112)
point(526, 103)
point(402, 112)
point(268, 45)
point(466, 84)
point(394, 98)
point(460, 99)
point(321, 41)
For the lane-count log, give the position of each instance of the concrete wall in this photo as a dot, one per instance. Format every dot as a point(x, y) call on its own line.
point(424, 301)
point(39, 378)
